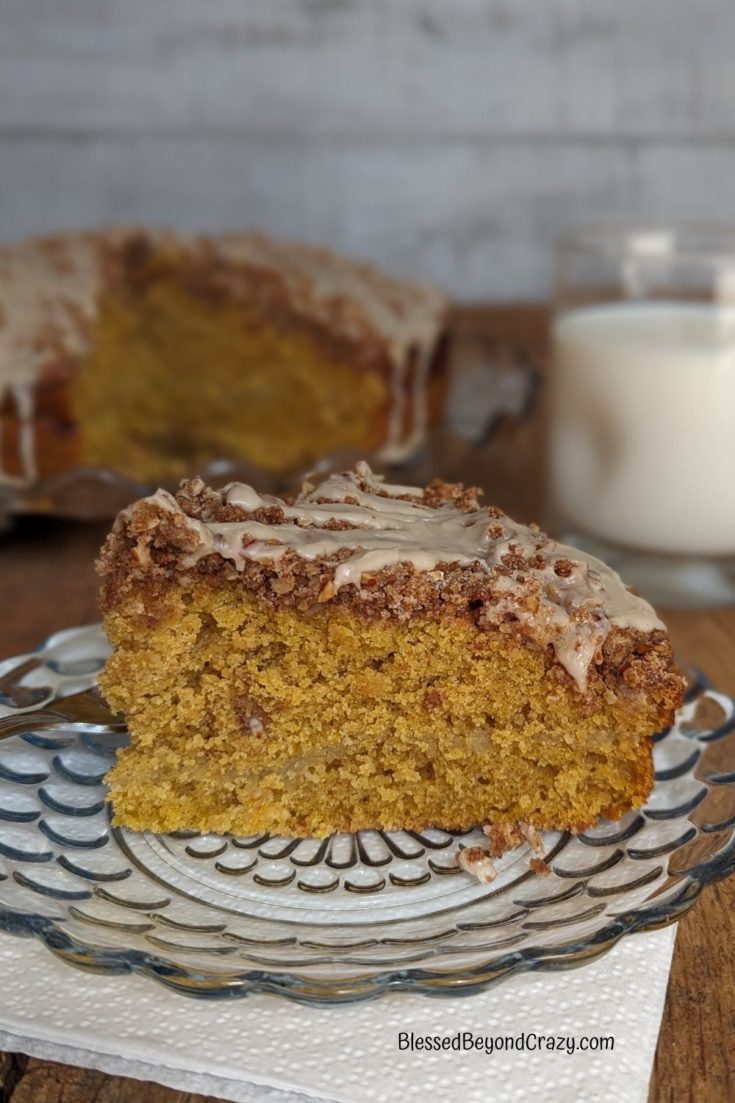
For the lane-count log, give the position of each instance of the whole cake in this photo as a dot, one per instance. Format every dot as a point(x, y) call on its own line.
point(153, 354)
point(371, 656)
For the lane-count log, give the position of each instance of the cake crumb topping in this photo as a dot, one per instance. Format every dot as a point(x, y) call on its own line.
point(475, 860)
point(502, 838)
point(418, 547)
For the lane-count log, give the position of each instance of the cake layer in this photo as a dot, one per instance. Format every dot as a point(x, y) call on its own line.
point(372, 656)
point(246, 720)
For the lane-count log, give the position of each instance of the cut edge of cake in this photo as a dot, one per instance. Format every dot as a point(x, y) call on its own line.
point(366, 563)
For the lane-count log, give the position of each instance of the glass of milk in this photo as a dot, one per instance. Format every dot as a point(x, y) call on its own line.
point(642, 407)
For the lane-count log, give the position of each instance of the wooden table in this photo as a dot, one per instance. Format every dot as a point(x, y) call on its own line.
point(47, 582)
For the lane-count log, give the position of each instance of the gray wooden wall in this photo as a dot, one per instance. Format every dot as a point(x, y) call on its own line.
point(451, 138)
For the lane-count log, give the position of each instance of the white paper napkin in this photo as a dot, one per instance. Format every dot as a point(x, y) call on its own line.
point(265, 1049)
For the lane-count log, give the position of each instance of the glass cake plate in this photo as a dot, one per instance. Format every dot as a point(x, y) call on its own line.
point(326, 921)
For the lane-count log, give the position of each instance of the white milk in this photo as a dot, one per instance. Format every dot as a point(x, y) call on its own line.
point(642, 432)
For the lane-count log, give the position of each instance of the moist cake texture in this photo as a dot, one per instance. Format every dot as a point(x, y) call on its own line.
point(371, 656)
point(154, 354)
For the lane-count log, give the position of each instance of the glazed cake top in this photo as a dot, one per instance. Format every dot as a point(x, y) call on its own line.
point(388, 550)
point(50, 290)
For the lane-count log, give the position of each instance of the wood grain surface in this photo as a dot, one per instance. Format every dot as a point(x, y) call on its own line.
point(47, 582)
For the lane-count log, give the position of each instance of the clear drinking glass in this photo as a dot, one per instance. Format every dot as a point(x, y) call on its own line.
point(642, 407)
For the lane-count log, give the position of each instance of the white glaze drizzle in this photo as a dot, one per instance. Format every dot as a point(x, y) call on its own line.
point(420, 398)
point(23, 398)
point(48, 292)
point(25, 409)
point(392, 450)
point(575, 610)
point(399, 444)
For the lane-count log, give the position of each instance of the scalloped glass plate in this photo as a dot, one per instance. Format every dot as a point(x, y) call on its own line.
point(332, 920)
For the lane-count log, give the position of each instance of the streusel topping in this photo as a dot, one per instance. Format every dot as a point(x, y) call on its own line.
point(359, 532)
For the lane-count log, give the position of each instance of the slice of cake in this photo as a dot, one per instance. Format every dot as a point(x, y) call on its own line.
point(371, 656)
point(153, 354)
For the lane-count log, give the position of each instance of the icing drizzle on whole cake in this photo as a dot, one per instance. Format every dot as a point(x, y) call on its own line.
point(51, 289)
point(562, 595)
